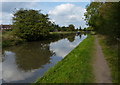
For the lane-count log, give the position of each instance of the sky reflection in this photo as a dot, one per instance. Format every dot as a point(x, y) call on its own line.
point(19, 64)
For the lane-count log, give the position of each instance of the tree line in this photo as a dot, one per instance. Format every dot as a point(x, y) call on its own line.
point(104, 17)
point(33, 25)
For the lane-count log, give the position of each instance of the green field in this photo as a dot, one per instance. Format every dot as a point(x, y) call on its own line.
point(76, 67)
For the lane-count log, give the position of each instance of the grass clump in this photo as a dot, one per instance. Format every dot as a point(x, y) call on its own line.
point(74, 68)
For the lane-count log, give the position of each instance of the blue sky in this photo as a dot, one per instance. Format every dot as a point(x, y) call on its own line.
point(62, 13)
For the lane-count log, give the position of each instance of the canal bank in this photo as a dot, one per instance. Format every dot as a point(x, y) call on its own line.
point(9, 39)
point(30, 60)
point(75, 67)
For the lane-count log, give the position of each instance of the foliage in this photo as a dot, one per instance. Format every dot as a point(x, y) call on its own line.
point(92, 13)
point(80, 29)
point(30, 24)
point(89, 28)
point(84, 29)
point(71, 27)
point(33, 25)
point(64, 28)
point(104, 18)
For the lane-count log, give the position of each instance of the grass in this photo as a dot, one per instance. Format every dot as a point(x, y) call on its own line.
point(74, 68)
point(61, 32)
point(111, 55)
point(9, 39)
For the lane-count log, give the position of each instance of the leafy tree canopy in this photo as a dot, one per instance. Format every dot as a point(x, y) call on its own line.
point(71, 27)
point(104, 18)
point(30, 24)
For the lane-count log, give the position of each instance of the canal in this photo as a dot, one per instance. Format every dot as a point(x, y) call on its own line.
point(27, 62)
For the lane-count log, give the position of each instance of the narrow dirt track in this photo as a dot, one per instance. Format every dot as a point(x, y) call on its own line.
point(100, 66)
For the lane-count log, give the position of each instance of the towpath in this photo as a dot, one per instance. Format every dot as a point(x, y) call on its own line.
point(100, 67)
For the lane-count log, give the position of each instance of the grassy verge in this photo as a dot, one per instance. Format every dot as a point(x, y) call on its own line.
point(8, 39)
point(111, 55)
point(74, 68)
point(61, 32)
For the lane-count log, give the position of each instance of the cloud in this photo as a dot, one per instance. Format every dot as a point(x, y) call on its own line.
point(62, 14)
point(61, 49)
point(66, 14)
point(6, 18)
point(8, 9)
point(10, 70)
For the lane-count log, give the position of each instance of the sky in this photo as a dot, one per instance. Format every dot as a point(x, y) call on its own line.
point(62, 13)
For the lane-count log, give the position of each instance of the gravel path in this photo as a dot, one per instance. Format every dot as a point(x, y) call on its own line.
point(100, 66)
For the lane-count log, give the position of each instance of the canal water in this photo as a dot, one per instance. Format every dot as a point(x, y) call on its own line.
point(27, 62)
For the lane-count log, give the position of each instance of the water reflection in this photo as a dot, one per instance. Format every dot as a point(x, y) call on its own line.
point(25, 63)
point(10, 70)
point(80, 36)
point(32, 55)
point(71, 38)
point(64, 46)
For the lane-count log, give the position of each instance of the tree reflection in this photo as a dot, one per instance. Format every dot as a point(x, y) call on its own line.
point(85, 33)
point(71, 38)
point(80, 36)
point(32, 55)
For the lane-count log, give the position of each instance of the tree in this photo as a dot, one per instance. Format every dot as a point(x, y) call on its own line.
point(104, 18)
point(110, 14)
point(30, 24)
point(80, 29)
point(64, 28)
point(71, 27)
point(92, 14)
point(89, 28)
point(84, 29)
point(77, 29)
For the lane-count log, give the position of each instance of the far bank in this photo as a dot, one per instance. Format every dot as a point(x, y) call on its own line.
point(9, 39)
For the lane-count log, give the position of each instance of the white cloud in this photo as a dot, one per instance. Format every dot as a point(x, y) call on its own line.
point(8, 9)
point(66, 14)
point(10, 70)
point(6, 18)
point(63, 14)
point(61, 49)
point(61, 9)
